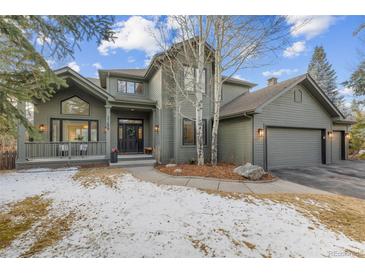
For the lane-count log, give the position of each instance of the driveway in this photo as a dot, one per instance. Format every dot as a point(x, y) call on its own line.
point(347, 177)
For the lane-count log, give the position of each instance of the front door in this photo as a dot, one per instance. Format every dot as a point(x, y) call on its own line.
point(130, 136)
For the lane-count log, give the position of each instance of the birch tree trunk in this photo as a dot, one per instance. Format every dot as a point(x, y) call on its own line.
point(199, 96)
point(217, 105)
point(217, 90)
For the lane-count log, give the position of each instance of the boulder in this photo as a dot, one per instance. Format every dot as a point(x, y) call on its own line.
point(170, 165)
point(249, 171)
point(178, 171)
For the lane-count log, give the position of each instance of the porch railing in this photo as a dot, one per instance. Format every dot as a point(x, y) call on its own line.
point(44, 150)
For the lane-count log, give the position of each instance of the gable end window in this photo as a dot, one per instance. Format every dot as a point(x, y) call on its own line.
point(189, 132)
point(298, 96)
point(191, 79)
point(75, 105)
point(130, 87)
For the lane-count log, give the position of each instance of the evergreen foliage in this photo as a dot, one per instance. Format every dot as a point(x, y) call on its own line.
point(25, 74)
point(325, 76)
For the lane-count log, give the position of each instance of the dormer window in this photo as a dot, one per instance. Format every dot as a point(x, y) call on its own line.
point(130, 87)
point(75, 105)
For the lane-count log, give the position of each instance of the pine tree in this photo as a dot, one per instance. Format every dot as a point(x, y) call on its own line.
point(24, 72)
point(325, 76)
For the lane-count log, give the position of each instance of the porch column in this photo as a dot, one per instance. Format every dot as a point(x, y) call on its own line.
point(107, 131)
point(21, 134)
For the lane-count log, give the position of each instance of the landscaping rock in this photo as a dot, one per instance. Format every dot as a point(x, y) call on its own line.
point(178, 171)
point(170, 165)
point(249, 171)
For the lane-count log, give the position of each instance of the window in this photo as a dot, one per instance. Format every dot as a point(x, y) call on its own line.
point(55, 136)
point(189, 132)
point(298, 96)
point(64, 130)
point(93, 131)
point(76, 106)
point(130, 87)
point(191, 78)
point(122, 86)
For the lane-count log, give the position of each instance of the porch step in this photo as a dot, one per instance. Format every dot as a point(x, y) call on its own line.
point(134, 157)
point(134, 163)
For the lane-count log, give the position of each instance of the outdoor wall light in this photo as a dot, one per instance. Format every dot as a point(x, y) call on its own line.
point(347, 135)
point(330, 134)
point(260, 132)
point(42, 128)
point(157, 128)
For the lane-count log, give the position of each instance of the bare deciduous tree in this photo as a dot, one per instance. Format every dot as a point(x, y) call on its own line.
point(241, 42)
point(184, 58)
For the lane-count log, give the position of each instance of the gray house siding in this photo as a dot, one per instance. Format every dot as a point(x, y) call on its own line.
point(155, 94)
point(185, 153)
point(235, 140)
point(230, 91)
point(52, 109)
point(284, 112)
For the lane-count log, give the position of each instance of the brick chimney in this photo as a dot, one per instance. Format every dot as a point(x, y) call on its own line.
point(272, 81)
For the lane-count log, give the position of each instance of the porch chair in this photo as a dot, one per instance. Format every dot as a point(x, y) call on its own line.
point(83, 149)
point(63, 150)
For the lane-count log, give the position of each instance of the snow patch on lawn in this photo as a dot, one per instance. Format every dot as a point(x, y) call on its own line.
point(141, 219)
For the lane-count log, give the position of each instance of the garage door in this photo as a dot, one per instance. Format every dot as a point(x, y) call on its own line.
point(293, 147)
point(336, 146)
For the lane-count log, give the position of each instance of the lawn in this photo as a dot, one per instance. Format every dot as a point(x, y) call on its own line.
point(103, 212)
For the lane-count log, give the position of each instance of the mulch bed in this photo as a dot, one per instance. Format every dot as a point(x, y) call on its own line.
point(221, 171)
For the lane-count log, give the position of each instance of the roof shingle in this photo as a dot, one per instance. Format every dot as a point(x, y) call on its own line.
point(251, 100)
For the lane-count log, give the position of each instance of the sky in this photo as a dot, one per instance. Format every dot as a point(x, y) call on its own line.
point(135, 45)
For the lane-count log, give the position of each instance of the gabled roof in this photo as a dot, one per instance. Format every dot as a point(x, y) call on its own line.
point(95, 81)
point(146, 73)
point(92, 87)
point(254, 101)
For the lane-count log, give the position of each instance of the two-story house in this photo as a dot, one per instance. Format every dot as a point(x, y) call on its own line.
point(127, 109)
point(289, 123)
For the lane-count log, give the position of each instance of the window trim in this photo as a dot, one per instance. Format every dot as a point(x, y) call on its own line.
point(205, 132)
point(61, 112)
point(135, 82)
point(195, 69)
point(71, 119)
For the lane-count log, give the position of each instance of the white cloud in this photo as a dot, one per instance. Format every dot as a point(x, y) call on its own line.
point(74, 66)
point(136, 33)
point(280, 72)
point(131, 59)
point(309, 26)
point(97, 65)
point(295, 49)
point(41, 39)
point(346, 91)
point(51, 62)
point(237, 76)
point(172, 23)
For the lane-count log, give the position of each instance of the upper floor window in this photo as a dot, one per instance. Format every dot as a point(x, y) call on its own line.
point(191, 79)
point(298, 96)
point(76, 106)
point(130, 87)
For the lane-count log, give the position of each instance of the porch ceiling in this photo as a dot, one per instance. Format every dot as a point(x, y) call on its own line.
point(133, 105)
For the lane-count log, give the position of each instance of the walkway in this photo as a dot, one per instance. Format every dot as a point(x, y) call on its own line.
point(150, 174)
